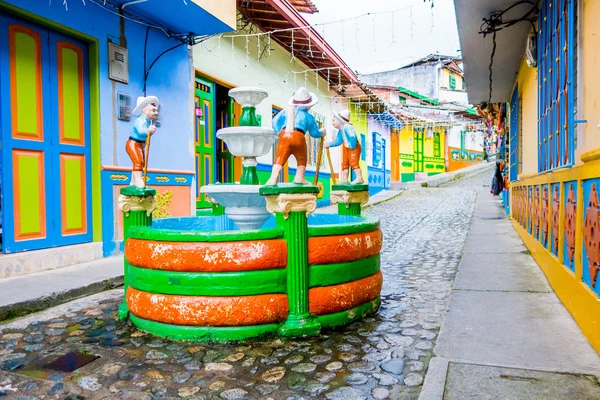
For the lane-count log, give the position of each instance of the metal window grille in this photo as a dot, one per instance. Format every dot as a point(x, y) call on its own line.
point(556, 71)
point(514, 135)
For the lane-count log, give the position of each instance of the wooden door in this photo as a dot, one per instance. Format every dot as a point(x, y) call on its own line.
point(44, 110)
point(395, 150)
point(205, 137)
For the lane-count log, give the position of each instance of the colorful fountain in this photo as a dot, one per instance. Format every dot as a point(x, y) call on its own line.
point(248, 273)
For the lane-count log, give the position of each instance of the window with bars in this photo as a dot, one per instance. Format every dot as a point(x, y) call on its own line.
point(452, 82)
point(436, 145)
point(557, 62)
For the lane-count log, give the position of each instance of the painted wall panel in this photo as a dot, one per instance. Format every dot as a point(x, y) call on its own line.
point(70, 93)
point(26, 82)
point(570, 200)
point(73, 193)
point(29, 194)
point(591, 235)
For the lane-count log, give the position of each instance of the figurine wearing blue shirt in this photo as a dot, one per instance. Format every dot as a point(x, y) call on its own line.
point(292, 125)
point(142, 128)
point(351, 150)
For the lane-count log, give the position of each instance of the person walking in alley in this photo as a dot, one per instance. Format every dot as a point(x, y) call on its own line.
point(292, 125)
point(351, 150)
point(497, 180)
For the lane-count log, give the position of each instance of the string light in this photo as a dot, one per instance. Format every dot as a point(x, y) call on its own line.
point(374, 34)
point(411, 25)
point(292, 49)
point(247, 51)
point(258, 48)
point(269, 43)
point(394, 28)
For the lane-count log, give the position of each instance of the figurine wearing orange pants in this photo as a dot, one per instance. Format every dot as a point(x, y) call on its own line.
point(351, 150)
point(293, 124)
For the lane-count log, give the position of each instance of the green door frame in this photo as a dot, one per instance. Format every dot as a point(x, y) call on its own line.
point(204, 101)
point(419, 148)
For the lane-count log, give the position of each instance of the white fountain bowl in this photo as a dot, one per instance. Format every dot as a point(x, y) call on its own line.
point(247, 141)
point(243, 204)
point(248, 96)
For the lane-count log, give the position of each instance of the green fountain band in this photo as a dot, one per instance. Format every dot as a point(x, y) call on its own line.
point(137, 205)
point(239, 333)
point(246, 283)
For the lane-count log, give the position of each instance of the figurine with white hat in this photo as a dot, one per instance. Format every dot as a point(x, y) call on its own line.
point(351, 150)
point(139, 139)
point(292, 125)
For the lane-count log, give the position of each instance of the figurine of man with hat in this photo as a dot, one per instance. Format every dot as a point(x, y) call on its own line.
point(351, 150)
point(292, 125)
point(146, 111)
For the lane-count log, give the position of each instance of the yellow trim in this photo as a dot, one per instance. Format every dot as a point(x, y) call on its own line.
point(589, 170)
point(202, 74)
point(580, 301)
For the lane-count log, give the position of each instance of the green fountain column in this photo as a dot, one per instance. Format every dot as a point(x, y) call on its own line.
point(137, 206)
point(350, 197)
point(249, 174)
point(291, 203)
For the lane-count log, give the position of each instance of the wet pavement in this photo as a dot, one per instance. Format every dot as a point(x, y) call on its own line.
point(385, 356)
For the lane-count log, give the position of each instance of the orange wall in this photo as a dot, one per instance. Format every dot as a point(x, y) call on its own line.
point(173, 201)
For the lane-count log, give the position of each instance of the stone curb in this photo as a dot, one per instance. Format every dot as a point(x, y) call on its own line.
point(444, 178)
point(15, 310)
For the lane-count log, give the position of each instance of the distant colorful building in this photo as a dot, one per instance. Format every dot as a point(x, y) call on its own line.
point(430, 137)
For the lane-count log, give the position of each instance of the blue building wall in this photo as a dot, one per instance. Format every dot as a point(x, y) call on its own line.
point(378, 179)
point(169, 80)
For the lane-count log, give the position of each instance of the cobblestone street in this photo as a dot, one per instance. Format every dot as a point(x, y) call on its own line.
point(385, 356)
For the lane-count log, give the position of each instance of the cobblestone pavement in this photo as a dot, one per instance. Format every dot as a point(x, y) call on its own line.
point(385, 356)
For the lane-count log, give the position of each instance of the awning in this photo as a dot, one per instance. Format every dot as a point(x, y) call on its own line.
point(387, 119)
point(476, 50)
point(179, 17)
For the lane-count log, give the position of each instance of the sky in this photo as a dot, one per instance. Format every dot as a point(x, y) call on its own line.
point(395, 33)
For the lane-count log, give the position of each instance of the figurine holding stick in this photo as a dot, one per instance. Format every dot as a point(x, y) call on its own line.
point(351, 150)
point(138, 145)
point(292, 125)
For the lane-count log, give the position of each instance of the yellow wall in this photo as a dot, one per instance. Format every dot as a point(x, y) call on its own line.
point(224, 10)
point(527, 80)
point(445, 79)
point(406, 144)
point(591, 83)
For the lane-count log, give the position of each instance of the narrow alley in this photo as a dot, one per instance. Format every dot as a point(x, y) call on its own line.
point(385, 356)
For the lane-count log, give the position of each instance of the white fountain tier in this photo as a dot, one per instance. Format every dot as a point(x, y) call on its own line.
point(243, 204)
point(247, 141)
point(248, 96)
